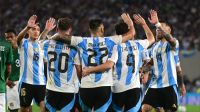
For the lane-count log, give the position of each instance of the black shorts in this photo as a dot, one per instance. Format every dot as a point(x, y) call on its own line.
point(162, 97)
point(131, 99)
point(29, 92)
point(98, 98)
point(59, 101)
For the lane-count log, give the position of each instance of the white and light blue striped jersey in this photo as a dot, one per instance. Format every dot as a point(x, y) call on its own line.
point(95, 51)
point(126, 69)
point(164, 68)
point(145, 55)
point(61, 71)
point(176, 56)
point(32, 65)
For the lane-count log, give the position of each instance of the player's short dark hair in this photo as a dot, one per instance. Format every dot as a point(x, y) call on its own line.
point(94, 24)
point(11, 31)
point(121, 28)
point(64, 23)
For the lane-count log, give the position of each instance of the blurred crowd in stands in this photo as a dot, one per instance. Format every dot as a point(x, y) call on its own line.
point(182, 15)
point(192, 86)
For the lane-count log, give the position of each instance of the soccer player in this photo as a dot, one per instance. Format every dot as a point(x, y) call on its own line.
point(12, 93)
point(127, 58)
point(163, 89)
point(63, 65)
point(32, 79)
point(95, 89)
point(6, 59)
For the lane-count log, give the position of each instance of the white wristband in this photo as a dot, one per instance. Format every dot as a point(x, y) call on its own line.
point(157, 25)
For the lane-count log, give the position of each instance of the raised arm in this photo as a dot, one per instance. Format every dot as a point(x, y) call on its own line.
point(131, 33)
point(31, 23)
point(139, 20)
point(50, 25)
point(154, 20)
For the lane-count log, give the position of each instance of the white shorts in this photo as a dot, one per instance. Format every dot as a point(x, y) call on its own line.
point(13, 101)
point(2, 102)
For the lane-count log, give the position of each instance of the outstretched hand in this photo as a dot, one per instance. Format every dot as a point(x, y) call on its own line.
point(126, 18)
point(138, 19)
point(32, 21)
point(50, 24)
point(153, 17)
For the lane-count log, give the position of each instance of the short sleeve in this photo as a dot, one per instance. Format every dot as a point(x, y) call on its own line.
point(117, 39)
point(9, 55)
point(176, 54)
point(144, 43)
point(177, 60)
point(114, 55)
point(145, 55)
point(75, 40)
point(177, 45)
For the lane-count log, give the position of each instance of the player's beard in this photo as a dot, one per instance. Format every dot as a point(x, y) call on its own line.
point(158, 37)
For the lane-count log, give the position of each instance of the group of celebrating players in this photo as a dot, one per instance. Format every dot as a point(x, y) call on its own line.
point(73, 73)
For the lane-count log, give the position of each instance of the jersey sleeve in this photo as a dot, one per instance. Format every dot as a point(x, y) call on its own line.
point(177, 46)
point(75, 40)
point(144, 43)
point(145, 55)
point(114, 55)
point(9, 55)
point(177, 60)
point(176, 55)
point(44, 47)
point(117, 39)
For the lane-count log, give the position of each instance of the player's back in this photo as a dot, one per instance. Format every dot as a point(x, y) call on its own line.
point(95, 51)
point(126, 70)
point(61, 72)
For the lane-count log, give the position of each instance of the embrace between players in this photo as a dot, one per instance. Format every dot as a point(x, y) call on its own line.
point(99, 73)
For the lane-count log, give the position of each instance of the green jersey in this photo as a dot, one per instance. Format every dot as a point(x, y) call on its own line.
point(14, 76)
point(6, 58)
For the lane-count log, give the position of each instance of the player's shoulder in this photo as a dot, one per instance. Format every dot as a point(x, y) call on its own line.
point(5, 43)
